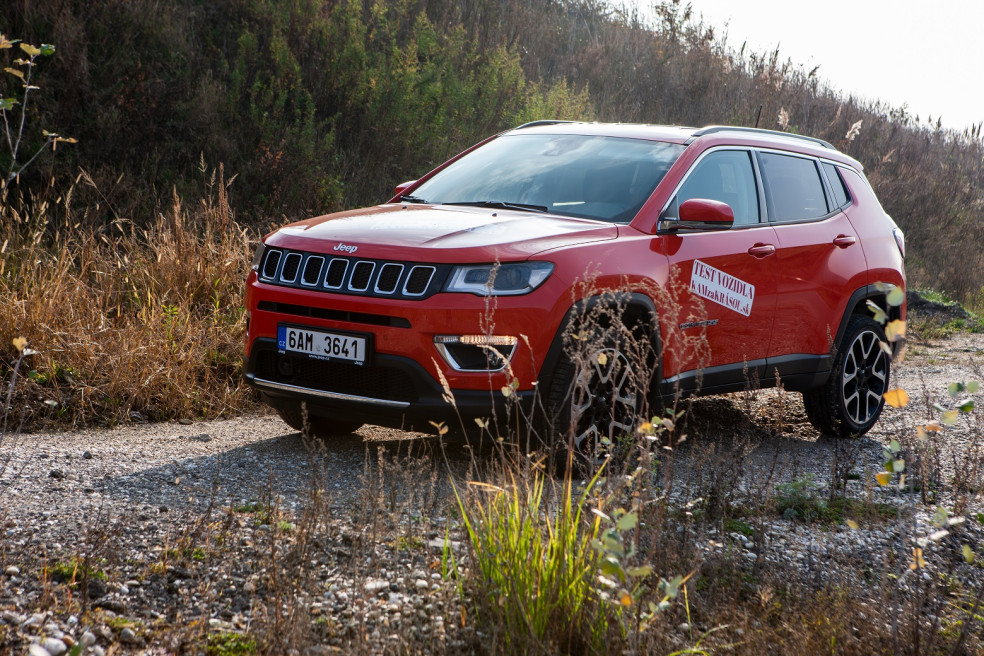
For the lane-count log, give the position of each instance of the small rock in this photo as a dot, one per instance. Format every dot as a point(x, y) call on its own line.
point(104, 632)
point(57, 474)
point(107, 603)
point(128, 635)
point(12, 618)
point(98, 651)
point(86, 455)
point(54, 646)
point(37, 650)
point(376, 585)
point(88, 639)
point(97, 588)
point(68, 640)
point(185, 422)
point(13, 570)
point(34, 620)
point(438, 545)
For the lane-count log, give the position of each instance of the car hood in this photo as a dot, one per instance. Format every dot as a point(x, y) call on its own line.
point(439, 233)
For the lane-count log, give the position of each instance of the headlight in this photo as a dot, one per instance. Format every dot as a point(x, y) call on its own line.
point(509, 279)
point(257, 257)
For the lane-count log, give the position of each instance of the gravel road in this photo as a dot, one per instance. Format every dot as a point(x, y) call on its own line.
point(132, 496)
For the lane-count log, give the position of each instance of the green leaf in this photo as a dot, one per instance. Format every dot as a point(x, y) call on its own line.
point(967, 406)
point(611, 568)
point(640, 572)
point(877, 313)
point(47, 49)
point(894, 446)
point(627, 522)
point(14, 71)
point(954, 389)
point(895, 330)
point(940, 517)
point(973, 386)
point(949, 417)
point(968, 553)
point(898, 466)
point(32, 51)
point(895, 297)
point(7, 103)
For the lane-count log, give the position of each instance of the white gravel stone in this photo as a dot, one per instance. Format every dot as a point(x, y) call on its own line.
point(54, 646)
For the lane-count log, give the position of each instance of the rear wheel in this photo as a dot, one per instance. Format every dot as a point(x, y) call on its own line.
point(852, 399)
point(320, 426)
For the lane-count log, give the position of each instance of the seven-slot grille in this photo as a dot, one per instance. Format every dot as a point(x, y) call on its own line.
point(351, 275)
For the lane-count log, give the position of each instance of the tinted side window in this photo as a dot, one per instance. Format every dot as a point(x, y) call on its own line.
point(726, 176)
point(794, 186)
point(841, 197)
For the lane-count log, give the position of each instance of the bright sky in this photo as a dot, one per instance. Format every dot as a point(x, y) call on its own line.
point(928, 55)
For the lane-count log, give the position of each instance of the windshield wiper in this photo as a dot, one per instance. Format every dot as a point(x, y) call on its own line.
point(407, 198)
point(523, 207)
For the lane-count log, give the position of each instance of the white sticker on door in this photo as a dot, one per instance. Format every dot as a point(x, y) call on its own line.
point(717, 286)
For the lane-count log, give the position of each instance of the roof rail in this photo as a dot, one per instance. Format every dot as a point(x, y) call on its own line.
point(713, 129)
point(533, 124)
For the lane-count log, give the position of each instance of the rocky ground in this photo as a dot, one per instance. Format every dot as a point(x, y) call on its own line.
point(187, 538)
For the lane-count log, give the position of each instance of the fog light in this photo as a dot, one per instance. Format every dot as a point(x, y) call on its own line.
point(476, 352)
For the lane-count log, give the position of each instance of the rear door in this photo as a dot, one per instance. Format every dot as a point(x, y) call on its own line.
point(820, 260)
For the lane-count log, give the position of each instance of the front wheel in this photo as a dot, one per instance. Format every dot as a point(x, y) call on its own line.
point(319, 426)
point(851, 401)
point(595, 399)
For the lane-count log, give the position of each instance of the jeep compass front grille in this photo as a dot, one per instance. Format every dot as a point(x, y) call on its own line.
point(352, 275)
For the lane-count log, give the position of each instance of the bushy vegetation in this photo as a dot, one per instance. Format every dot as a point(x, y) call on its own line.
point(319, 105)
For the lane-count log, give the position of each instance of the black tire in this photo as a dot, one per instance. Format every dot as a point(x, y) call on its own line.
point(319, 426)
point(594, 399)
point(852, 399)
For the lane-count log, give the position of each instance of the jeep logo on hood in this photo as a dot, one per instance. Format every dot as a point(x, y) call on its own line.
point(348, 249)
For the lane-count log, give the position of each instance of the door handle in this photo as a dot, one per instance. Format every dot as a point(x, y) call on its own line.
point(843, 241)
point(761, 250)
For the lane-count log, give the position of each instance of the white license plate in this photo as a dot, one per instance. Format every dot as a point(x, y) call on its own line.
point(322, 344)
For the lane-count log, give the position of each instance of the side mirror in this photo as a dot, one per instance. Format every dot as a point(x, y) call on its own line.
point(403, 186)
point(704, 214)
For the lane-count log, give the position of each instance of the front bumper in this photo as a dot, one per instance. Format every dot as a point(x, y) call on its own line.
point(391, 391)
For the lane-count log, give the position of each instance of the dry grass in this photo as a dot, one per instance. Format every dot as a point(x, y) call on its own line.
point(125, 319)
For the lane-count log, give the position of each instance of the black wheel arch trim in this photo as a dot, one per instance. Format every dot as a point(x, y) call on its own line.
point(638, 303)
point(857, 299)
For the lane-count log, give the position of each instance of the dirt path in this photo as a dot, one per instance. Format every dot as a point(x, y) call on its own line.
point(135, 496)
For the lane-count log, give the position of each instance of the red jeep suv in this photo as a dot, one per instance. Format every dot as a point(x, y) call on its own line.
point(736, 256)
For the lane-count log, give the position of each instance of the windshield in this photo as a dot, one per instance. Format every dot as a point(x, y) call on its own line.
point(591, 177)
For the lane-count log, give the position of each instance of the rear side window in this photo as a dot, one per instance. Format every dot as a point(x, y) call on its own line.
point(841, 197)
point(725, 176)
point(793, 185)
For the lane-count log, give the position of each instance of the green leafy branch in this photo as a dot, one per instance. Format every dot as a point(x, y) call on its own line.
point(14, 121)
